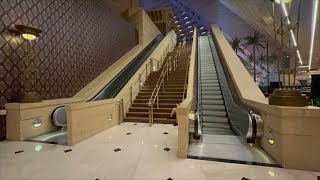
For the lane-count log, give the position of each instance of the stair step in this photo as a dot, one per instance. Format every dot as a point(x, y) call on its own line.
point(160, 100)
point(161, 93)
point(165, 90)
point(161, 96)
point(146, 109)
point(146, 114)
point(146, 120)
point(161, 105)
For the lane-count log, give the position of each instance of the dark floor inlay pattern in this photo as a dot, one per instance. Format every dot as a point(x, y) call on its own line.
point(165, 133)
point(245, 178)
point(169, 179)
point(68, 150)
point(117, 150)
point(135, 124)
point(318, 177)
point(167, 149)
point(17, 152)
point(129, 133)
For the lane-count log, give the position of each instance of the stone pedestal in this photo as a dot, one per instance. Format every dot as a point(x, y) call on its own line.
point(288, 97)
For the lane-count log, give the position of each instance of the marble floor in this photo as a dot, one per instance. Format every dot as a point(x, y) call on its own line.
point(128, 151)
point(228, 147)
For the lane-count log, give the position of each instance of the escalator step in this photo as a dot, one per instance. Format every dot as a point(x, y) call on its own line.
point(213, 107)
point(226, 132)
point(206, 92)
point(211, 97)
point(209, 119)
point(214, 113)
point(212, 102)
point(211, 88)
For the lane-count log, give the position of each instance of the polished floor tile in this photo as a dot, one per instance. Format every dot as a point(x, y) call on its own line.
point(114, 154)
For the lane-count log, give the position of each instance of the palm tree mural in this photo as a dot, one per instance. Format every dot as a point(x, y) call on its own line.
point(254, 40)
point(236, 44)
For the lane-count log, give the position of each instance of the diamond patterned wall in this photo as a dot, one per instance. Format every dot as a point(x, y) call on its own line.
point(80, 39)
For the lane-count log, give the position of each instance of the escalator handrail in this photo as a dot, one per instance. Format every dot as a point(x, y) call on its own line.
point(157, 39)
point(125, 68)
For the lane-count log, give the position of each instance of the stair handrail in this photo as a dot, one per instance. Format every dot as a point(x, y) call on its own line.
point(186, 81)
point(160, 83)
point(146, 71)
point(155, 93)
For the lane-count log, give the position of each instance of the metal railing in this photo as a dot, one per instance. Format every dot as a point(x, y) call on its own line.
point(185, 86)
point(170, 65)
point(142, 75)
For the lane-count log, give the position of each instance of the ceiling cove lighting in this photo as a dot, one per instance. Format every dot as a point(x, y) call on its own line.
point(284, 9)
point(293, 38)
point(285, 13)
point(299, 56)
point(313, 27)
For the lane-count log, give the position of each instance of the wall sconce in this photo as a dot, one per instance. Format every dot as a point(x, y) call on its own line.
point(270, 138)
point(30, 34)
point(27, 32)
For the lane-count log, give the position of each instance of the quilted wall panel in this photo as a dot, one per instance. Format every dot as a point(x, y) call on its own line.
point(80, 40)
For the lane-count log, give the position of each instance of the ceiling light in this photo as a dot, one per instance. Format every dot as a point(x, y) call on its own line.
point(203, 32)
point(176, 21)
point(299, 56)
point(181, 34)
point(178, 26)
point(285, 13)
point(186, 18)
point(191, 31)
point(306, 66)
point(190, 27)
point(313, 26)
point(180, 30)
point(183, 12)
point(202, 28)
point(188, 22)
point(293, 38)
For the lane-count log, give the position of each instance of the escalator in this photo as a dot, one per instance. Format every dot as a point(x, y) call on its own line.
point(228, 130)
point(59, 116)
point(214, 114)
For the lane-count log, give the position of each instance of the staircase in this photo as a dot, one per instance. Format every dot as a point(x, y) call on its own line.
point(172, 95)
point(214, 115)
